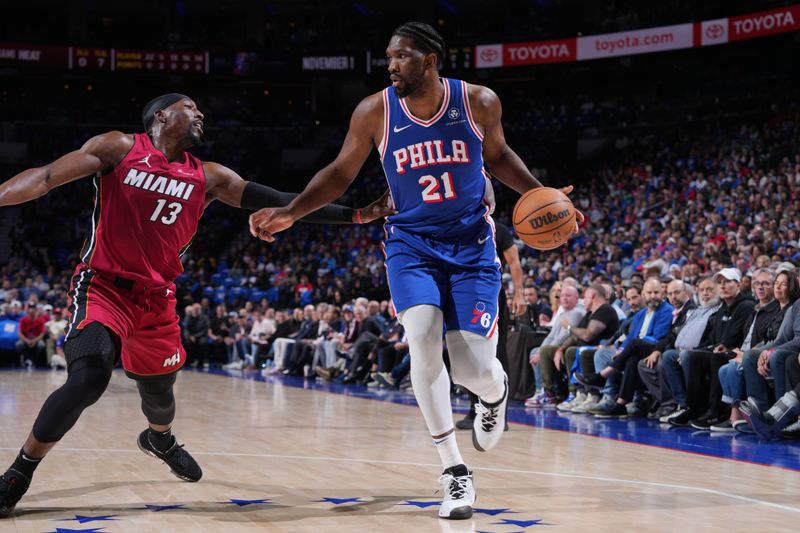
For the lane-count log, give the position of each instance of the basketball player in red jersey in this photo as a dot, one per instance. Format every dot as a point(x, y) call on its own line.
point(150, 195)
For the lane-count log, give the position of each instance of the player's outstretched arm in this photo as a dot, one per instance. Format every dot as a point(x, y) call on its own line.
point(101, 152)
point(227, 186)
point(332, 181)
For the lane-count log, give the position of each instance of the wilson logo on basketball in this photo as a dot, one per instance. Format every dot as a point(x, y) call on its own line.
point(548, 218)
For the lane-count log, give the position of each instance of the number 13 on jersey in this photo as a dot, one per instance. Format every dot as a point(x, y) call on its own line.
point(169, 218)
point(431, 194)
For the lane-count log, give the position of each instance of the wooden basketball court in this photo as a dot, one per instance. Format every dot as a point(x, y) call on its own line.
point(283, 458)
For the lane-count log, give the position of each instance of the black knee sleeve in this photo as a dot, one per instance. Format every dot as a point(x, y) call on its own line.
point(158, 400)
point(90, 355)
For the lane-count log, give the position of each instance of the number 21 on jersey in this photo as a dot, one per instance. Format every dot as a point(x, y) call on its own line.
point(431, 194)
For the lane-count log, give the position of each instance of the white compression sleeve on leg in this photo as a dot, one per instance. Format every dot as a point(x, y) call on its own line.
point(423, 325)
point(474, 364)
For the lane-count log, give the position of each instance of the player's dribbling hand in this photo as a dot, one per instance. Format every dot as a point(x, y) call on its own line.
point(264, 223)
point(579, 218)
point(382, 207)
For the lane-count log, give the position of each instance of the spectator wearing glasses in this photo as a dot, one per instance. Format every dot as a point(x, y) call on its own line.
point(774, 299)
point(770, 359)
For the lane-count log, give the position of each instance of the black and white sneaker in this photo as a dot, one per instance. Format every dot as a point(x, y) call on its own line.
point(459, 493)
point(177, 459)
point(13, 485)
point(680, 417)
point(490, 421)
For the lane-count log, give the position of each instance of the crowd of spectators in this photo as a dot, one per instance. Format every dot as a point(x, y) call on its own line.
point(681, 205)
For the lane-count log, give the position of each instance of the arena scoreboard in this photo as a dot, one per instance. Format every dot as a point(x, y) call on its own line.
point(110, 59)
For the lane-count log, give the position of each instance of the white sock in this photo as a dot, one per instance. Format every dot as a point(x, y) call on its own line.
point(423, 325)
point(448, 450)
point(474, 364)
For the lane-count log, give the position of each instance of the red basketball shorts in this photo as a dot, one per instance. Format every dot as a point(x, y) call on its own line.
point(143, 317)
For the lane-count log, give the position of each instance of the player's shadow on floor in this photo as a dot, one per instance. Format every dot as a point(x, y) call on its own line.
point(294, 507)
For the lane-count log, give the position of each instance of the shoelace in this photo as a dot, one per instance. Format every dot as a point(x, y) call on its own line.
point(454, 488)
point(488, 415)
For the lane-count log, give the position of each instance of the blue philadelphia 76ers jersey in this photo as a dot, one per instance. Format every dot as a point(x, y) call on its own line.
point(435, 167)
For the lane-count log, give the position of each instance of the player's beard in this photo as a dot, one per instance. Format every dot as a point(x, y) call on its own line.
point(194, 137)
point(409, 84)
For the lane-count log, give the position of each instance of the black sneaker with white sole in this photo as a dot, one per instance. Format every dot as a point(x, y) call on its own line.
point(177, 459)
point(13, 485)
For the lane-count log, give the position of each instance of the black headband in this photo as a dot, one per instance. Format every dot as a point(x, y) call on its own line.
point(158, 103)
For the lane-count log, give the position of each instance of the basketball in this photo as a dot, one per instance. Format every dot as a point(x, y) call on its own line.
point(544, 218)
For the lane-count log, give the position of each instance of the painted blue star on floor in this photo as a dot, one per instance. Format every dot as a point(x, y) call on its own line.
point(494, 512)
point(419, 504)
point(520, 523)
point(242, 503)
point(157, 508)
point(339, 501)
point(68, 530)
point(85, 519)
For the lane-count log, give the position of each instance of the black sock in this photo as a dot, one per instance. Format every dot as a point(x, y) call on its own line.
point(25, 464)
point(161, 441)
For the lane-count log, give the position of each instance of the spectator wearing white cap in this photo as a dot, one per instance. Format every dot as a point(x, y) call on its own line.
point(724, 333)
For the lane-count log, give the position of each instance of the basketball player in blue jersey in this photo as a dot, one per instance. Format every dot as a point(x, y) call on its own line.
point(433, 136)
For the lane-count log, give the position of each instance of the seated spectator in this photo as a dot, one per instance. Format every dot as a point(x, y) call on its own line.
point(354, 318)
point(649, 326)
point(535, 309)
point(554, 294)
point(297, 350)
point(263, 327)
point(724, 332)
point(784, 413)
point(282, 345)
point(681, 300)
point(195, 332)
point(219, 335)
point(285, 326)
point(31, 346)
point(393, 378)
point(570, 308)
point(774, 297)
point(599, 357)
point(600, 320)
point(54, 343)
point(325, 346)
point(771, 359)
point(672, 366)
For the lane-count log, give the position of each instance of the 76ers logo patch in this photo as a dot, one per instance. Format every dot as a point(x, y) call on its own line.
point(479, 314)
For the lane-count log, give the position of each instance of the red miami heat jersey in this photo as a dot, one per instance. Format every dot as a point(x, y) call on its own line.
point(146, 212)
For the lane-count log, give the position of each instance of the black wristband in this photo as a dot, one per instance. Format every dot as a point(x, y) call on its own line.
point(256, 196)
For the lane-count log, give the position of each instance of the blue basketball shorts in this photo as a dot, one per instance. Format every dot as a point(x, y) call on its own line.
point(462, 278)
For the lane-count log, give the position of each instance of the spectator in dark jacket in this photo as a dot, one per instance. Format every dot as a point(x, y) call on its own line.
point(196, 335)
point(724, 332)
point(770, 359)
point(775, 296)
point(682, 303)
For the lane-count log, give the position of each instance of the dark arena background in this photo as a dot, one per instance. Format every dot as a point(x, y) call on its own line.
point(676, 122)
